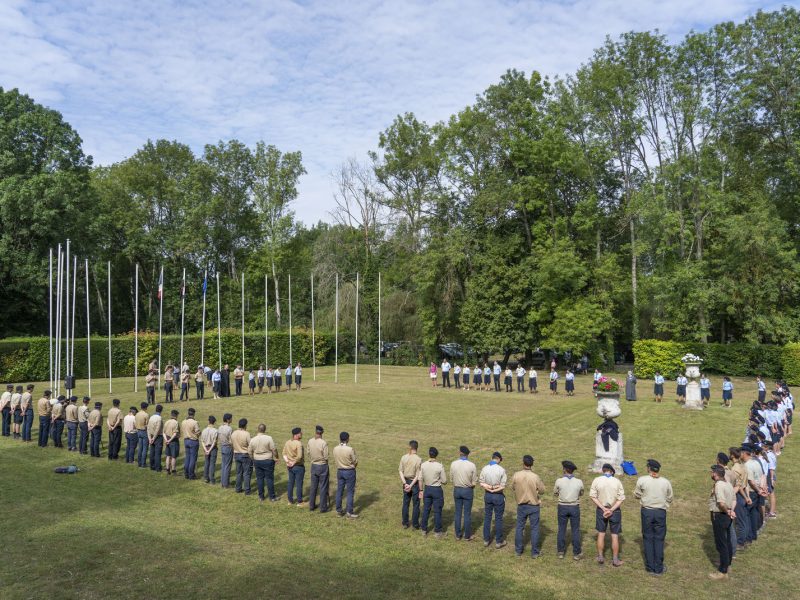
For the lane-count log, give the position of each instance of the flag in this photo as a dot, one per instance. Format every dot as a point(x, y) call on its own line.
point(205, 284)
point(161, 284)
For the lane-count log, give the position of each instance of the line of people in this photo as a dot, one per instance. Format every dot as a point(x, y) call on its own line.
point(487, 378)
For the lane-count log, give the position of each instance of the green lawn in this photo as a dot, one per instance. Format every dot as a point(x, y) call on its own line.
point(116, 531)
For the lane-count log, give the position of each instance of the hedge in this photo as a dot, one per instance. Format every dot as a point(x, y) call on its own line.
point(736, 359)
point(27, 359)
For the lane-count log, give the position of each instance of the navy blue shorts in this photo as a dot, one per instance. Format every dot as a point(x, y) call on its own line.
point(727, 394)
point(252, 383)
point(173, 449)
point(658, 389)
point(466, 378)
point(269, 382)
point(532, 383)
point(681, 391)
point(614, 522)
point(487, 379)
point(705, 394)
point(569, 386)
point(260, 382)
point(476, 380)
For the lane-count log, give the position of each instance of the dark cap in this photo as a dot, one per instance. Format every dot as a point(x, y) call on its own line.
point(723, 458)
point(98, 404)
point(608, 467)
point(747, 448)
point(464, 450)
point(296, 430)
point(497, 455)
point(653, 465)
point(568, 465)
point(319, 429)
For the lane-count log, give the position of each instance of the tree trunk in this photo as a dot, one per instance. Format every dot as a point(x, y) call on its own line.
point(506, 356)
point(277, 296)
point(634, 285)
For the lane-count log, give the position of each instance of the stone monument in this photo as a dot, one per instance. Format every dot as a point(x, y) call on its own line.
point(693, 400)
point(608, 440)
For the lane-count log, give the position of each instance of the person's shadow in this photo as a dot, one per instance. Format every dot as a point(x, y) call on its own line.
point(364, 501)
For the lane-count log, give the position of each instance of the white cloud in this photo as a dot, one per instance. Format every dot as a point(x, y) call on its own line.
point(323, 77)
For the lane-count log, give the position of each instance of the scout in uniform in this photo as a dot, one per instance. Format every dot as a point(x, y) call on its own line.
point(705, 389)
point(532, 381)
point(169, 378)
point(493, 480)
point(410, 464)
point(445, 373)
point(155, 438)
point(172, 446)
point(260, 378)
point(199, 384)
point(190, 432)
point(457, 375)
point(131, 437)
point(727, 391)
point(496, 375)
point(527, 487)
point(465, 375)
point(216, 383)
point(150, 386)
point(269, 380)
point(5, 409)
point(720, 504)
point(277, 377)
point(208, 441)
point(288, 374)
point(487, 377)
point(608, 495)
point(658, 386)
point(742, 521)
point(26, 408)
point(680, 391)
point(655, 495)
point(185, 377)
point(476, 378)
point(251, 382)
point(569, 383)
point(95, 427)
point(57, 419)
point(140, 424)
point(263, 453)
point(83, 425)
point(507, 379)
point(71, 416)
point(240, 441)
point(238, 374)
point(44, 409)
point(298, 376)
point(553, 382)
point(520, 378)
point(568, 490)
point(226, 449)
point(317, 451)
point(346, 462)
point(114, 422)
point(16, 411)
point(295, 466)
point(432, 477)
point(464, 476)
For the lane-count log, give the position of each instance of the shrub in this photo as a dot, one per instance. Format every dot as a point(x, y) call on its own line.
point(790, 362)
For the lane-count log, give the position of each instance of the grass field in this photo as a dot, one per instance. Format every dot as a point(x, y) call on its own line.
point(117, 531)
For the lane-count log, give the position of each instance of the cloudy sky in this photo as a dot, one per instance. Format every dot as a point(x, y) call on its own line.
point(323, 77)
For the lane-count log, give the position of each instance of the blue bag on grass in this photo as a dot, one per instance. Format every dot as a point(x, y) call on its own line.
point(628, 468)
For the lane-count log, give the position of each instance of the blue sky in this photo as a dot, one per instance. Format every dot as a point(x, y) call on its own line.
point(323, 77)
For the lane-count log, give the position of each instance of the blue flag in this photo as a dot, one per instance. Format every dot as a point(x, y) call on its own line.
point(205, 284)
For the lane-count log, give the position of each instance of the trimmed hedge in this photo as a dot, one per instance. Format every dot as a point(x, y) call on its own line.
point(737, 359)
point(27, 359)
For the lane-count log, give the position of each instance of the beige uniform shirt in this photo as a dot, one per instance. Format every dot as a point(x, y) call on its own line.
point(653, 492)
point(527, 486)
point(741, 475)
point(240, 440)
point(155, 426)
point(169, 375)
point(730, 476)
point(224, 434)
point(431, 472)
point(43, 407)
point(95, 418)
point(208, 437)
point(128, 423)
point(463, 474)
point(113, 417)
point(83, 414)
point(410, 466)
point(16, 400)
point(140, 420)
point(190, 430)
point(721, 492)
point(607, 490)
point(5, 400)
point(493, 475)
point(198, 377)
point(185, 376)
point(345, 457)
point(568, 490)
point(293, 452)
point(317, 451)
point(25, 401)
point(71, 413)
point(238, 373)
point(262, 447)
point(171, 429)
point(58, 410)
point(150, 380)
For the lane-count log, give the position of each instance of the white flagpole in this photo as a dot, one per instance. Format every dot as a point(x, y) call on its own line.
point(203, 328)
point(57, 349)
point(313, 335)
point(88, 329)
point(243, 320)
point(136, 330)
point(109, 327)
point(266, 321)
point(291, 362)
point(74, 302)
point(160, 321)
point(355, 373)
point(336, 336)
point(219, 330)
point(66, 314)
point(380, 344)
point(50, 314)
point(183, 306)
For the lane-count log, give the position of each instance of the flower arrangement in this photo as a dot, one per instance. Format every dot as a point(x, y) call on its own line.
point(606, 384)
point(691, 358)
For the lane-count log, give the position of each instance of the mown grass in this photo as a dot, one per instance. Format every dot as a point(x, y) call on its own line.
point(117, 531)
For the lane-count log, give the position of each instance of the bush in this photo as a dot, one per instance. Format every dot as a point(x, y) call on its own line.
point(790, 362)
point(658, 355)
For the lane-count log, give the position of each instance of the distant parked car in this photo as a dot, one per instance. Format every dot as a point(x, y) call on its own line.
point(451, 350)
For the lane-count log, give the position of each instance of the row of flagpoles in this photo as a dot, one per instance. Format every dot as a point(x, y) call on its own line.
point(62, 322)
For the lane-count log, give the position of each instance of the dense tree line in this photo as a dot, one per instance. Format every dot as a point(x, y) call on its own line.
point(653, 193)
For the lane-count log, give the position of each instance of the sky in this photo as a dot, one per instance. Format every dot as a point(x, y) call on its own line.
point(323, 77)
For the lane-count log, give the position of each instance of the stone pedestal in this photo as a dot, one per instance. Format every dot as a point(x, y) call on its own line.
point(693, 401)
point(613, 456)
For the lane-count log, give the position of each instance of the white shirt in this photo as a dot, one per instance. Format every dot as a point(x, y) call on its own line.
point(251, 376)
point(520, 372)
point(487, 371)
point(659, 379)
point(298, 370)
point(508, 372)
point(597, 375)
point(569, 376)
point(457, 370)
point(261, 374)
point(762, 387)
point(705, 383)
point(445, 367)
point(681, 380)
point(129, 424)
point(553, 375)
point(215, 377)
point(497, 369)
point(493, 474)
point(288, 371)
point(466, 371)
point(532, 374)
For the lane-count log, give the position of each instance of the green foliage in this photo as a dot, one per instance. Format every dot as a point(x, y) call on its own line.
point(790, 363)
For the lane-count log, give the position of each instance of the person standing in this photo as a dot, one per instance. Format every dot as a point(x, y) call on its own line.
point(26, 408)
point(16, 411)
point(200, 383)
point(754, 489)
point(527, 487)
point(5, 409)
point(155, 438)
point(630, 387)
point(251, 382)
point(169, 380)
point(346, 462)
point(240, 440)
point(507, 378)
point(150, 385)
point(464, 476)
point(680, 390)
point(596, 379)
point(226, 449)
point(658, 386)
point(520, 378)
point(172, 444)
point(465, 372)
point(727, 391)
point(288, 374)
point(487, 377)
point(317, 451)
point(71, 419)
point(140, 424)
point(532, 381)
point(298, 376)
point(225, 382)
point(25, 402)
point(496, 374)
point(114, 422)
point(493, 480)
point(569, 382)
point(260, 378)
point(705, 389)
point(410, 465)
point(238, 374)
point(216, 384)
point(568, 490)
point(268, 376)
point(608, 495)
point(655, 495)
point(208, 441)
point(432, 477)
point(295, 465)
point(190, 432)
point(762, 389)
point(476, 378)
point(457, 375)
point(277, 376)
point(742, 520)
point(83, 425)
point(432, 373)
point(95, 426)
point(185, 377)
point(445, 373)
point(720, 504)
point(44, 409)
point(263, 453)
point(553, 382)
point(128, 428)
point(57, 418)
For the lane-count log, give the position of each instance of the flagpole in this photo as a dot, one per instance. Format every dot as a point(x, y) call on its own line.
point(242, 319)
point(203, 328)
point(219, 330)
point(266, 321)
point(313, 335)
point(160, 321)
point(57, 349)
point(183, 306)
point(355, 373)
point(291, 362)
point(336, 329)
point(72, 325)
point(109, 327)
point(135, 329)
point(66, 314)
point(50, 315)
point(88, 328)
point(380, 344)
